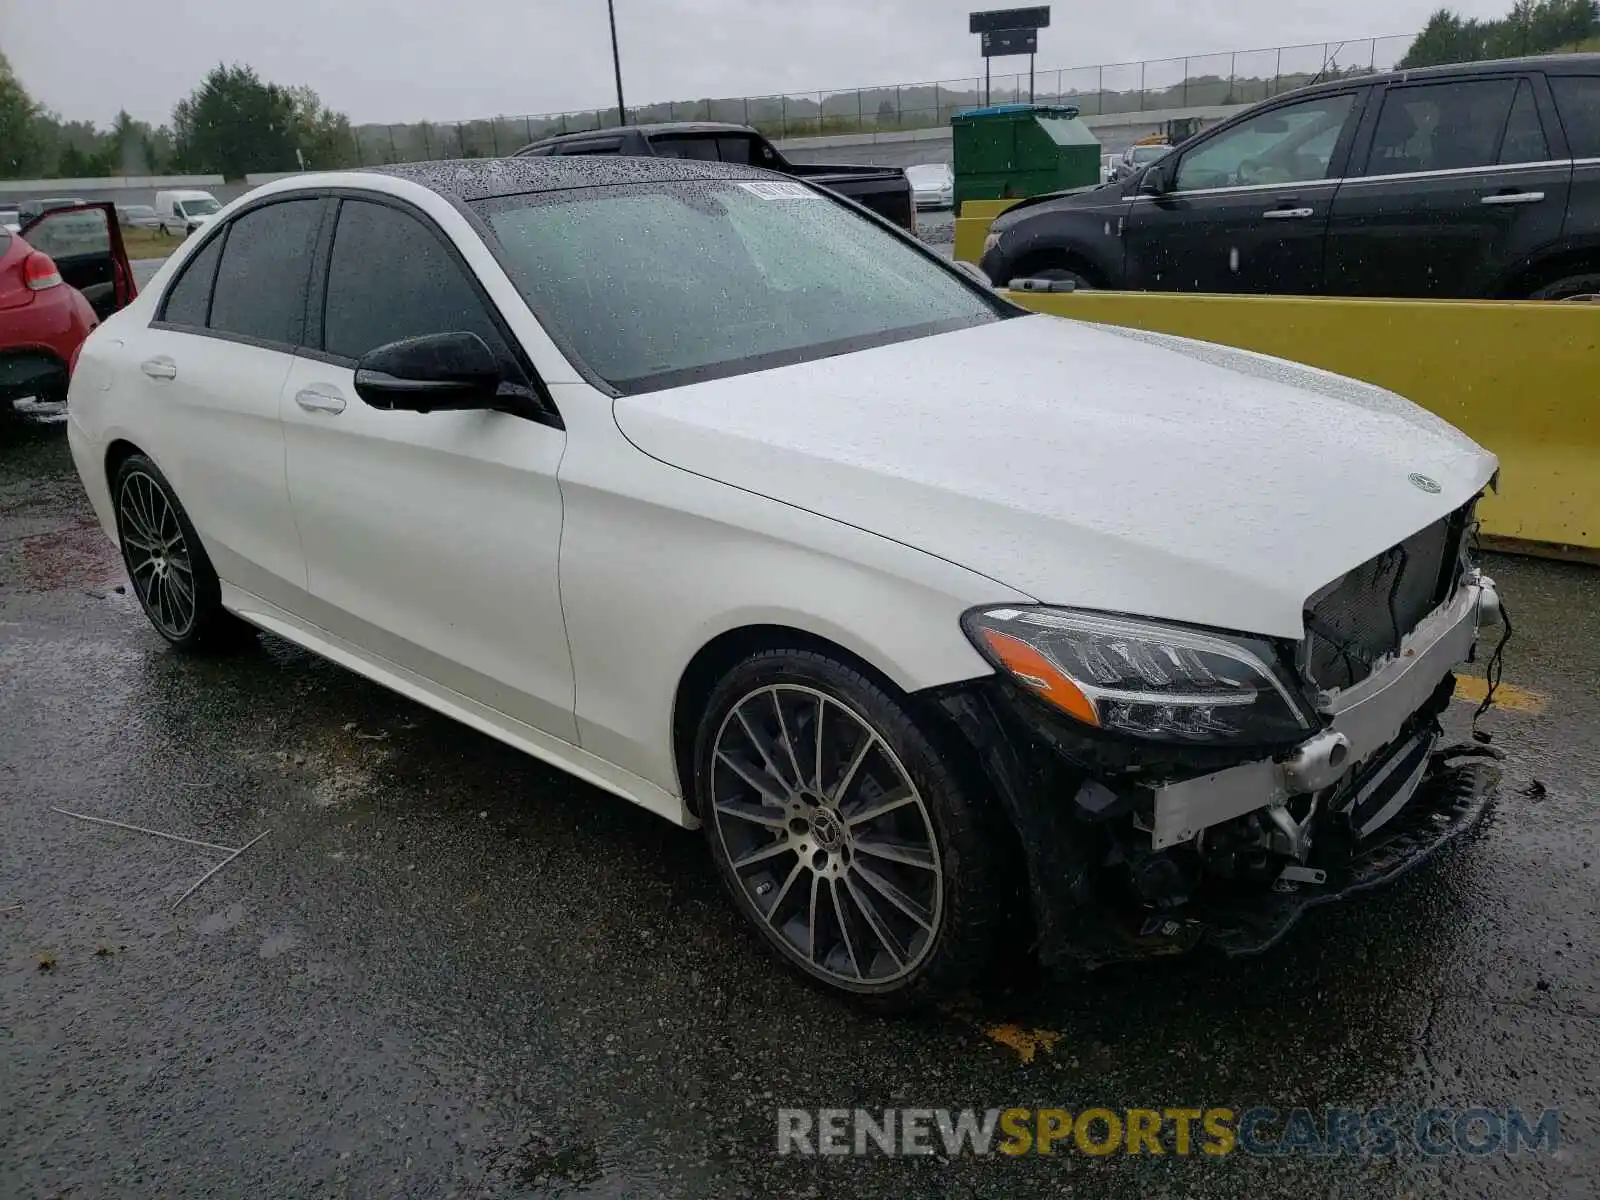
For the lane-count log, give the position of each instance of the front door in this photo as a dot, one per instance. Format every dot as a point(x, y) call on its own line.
point(1244, 209)
point(431, 539)
point(85, 242)
point(1459, 187)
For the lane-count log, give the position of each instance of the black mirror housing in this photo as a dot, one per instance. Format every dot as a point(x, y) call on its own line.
point(431, 373)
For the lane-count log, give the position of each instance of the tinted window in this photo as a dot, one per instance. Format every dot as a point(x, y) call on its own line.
point(1524, 141)
point(654, 285)
point(64, 235)
point(191, 295)
point(1286, 145)
point(266, 264)
point(1441, 127)
point(590, 148)
point(391, 278)
point(738, 148)
point(1578, 102)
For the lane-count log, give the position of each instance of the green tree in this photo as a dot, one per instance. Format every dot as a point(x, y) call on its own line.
point(1532, 27)
point(323, 137)
point(22, 140)
point(233, 124)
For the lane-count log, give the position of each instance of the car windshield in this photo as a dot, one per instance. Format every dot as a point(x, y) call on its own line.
point(199, 208)
point(657, 285)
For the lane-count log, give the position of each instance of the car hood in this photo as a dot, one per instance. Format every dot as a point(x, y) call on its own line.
point(1085, 465)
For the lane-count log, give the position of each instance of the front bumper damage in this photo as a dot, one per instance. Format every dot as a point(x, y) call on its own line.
point(1133, 850)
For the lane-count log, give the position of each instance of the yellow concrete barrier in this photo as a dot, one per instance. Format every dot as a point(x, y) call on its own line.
point(1518, 377)
point(972, 226)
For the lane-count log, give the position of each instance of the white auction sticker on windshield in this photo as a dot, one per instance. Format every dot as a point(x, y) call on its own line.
point(777, 189)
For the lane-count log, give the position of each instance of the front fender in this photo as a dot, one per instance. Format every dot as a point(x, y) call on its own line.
point(1089, 236)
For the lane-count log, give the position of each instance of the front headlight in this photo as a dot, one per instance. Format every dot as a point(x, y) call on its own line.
point(1147, 679)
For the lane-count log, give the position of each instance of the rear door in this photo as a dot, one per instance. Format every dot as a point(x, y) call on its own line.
point(1246, 207)
point(1455, 184)
point(86, 243)
point(1577, 100)
point(211, 372)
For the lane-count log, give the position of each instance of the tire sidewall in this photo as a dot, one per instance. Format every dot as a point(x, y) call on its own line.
point(967, 908)
point(209, 615)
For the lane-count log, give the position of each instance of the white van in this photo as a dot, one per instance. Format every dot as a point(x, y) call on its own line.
point(184, 211)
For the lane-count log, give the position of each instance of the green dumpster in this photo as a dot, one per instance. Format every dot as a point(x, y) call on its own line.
point(1017, 150)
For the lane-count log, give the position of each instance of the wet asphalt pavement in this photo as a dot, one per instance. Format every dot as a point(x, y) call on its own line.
point(447, 970)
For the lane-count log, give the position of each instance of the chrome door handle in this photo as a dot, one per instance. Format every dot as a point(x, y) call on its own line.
point(1514, 198)
point(316, 400)
point(1286, 214)
point(159, 368)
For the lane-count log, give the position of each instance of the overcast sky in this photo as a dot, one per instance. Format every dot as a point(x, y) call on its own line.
point(405, 60)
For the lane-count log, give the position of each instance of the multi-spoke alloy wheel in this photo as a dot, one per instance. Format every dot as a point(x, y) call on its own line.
point(158, 556)
point(172, 577)
point(830, 817)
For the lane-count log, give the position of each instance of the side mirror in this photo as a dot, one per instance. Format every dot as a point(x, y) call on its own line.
point(1156, 181)
point(432, 373)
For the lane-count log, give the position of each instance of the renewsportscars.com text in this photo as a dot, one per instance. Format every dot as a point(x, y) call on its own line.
point(1180, 1132)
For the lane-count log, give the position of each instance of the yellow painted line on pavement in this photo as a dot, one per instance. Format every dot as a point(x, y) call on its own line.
point(1026, 1042)
point(1472, 688)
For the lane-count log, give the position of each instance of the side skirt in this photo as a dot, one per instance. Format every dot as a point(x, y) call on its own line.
point(469, 712)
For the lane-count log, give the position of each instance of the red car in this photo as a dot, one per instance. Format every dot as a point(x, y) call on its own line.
point(59, 278)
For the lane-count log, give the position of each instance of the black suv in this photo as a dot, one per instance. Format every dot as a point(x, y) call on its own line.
point(1479, 180)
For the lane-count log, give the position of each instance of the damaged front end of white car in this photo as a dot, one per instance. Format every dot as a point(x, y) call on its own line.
point(1177, 786)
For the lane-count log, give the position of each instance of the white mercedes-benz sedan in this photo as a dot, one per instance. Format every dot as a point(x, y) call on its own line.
point(733, 501)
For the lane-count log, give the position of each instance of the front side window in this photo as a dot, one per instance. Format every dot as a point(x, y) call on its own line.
point(1441, 126)
point(1293, 144)
point(390, 278)
point(266, 266)
point(63, 235)
point(654, 285)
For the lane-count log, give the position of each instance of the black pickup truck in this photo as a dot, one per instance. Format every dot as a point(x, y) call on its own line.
point(885, 190)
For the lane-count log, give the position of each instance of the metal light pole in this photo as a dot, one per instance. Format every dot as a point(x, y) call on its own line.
point(616, 62)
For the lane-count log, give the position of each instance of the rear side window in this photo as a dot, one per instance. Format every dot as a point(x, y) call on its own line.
point(1524, 141)
point(1441, 126)
point(1578, 102)
point(266, 267)
point(190, 298)
point(391, 277)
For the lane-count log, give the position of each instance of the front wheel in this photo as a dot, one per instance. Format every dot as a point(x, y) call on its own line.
point(168, 567)
point(843, 835)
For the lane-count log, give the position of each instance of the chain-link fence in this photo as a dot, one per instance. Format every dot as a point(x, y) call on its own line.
point(1236, 77)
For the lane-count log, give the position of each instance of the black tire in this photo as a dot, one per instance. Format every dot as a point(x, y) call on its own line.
point(148, 534)
point(961, 893)
point(1568, 287)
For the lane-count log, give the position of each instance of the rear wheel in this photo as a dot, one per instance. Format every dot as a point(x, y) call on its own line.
point(1569, 287)
point(842, 834)
point(171, 575)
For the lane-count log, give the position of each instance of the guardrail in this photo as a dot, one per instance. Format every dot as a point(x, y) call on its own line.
point(1516, 376)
